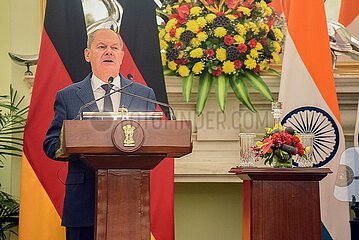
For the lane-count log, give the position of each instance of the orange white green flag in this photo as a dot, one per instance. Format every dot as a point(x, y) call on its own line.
point(310, 104)
point(349, 15)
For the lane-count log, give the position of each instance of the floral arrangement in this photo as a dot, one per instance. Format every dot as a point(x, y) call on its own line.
point(280, 144)
point(225, 42)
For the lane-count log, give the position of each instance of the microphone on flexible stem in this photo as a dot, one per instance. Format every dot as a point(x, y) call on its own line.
point(81, 110)
point(172, 115)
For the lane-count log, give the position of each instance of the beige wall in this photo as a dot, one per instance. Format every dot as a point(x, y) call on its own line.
point(20, 24)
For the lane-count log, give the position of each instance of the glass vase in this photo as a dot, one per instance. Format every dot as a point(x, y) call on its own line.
point(246, 154)
point(282, 163)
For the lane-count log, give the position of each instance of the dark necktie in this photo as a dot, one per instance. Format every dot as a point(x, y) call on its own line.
point(107, 107)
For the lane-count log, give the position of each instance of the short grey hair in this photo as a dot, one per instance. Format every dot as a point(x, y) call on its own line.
point(91, 37)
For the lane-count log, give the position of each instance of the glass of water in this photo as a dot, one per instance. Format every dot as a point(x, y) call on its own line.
point(307, 142)
point(246, 154)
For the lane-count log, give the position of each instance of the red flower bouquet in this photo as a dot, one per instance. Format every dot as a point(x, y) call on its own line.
point(279, 145)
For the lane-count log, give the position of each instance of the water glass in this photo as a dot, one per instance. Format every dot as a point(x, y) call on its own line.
point(307, 142)
point(246, 154)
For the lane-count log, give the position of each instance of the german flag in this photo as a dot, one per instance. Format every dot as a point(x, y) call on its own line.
point(61, 63)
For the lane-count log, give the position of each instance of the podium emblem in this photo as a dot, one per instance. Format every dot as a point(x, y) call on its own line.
point(128, 131)
point(128, 136)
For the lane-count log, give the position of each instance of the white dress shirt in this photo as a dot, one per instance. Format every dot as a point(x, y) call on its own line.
point(98, 92)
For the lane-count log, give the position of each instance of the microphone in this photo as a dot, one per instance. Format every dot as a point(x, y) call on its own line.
point(80, 112)
point(172, 115)
point(130, 77)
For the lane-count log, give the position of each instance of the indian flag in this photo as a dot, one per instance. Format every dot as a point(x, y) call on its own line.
point(349, 15)
point(310, 103)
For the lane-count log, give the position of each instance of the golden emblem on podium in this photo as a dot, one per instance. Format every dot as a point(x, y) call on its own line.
point(128, 131)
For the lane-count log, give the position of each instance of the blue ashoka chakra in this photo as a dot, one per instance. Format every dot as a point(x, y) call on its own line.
point(322, 125)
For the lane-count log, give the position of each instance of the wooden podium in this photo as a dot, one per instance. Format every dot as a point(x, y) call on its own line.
point(281, 203)
point(123, 152)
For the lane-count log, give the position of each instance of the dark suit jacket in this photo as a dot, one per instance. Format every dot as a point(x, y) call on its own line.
point(79, 204)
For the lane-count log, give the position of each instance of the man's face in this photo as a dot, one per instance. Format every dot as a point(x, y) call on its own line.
point(105, 54)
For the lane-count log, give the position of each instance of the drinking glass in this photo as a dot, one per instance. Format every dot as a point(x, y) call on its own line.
point(307, 142)
point(246, 154)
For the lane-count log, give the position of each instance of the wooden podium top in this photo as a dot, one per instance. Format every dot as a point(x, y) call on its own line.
point(106, 137)
point(282, 174)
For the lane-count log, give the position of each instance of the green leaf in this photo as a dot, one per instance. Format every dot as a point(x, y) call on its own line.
point(187, 84)
point(204, 87)
point(221, 86)
point(257, 82)
point(272, 70)
point(241, 91)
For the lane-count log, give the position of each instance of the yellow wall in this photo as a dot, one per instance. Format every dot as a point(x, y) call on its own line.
point(5, 70)
point(20, 25)
point(209, 211)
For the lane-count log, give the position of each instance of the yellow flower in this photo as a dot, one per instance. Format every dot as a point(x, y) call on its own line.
point(259, 46)
point(239, 39)
point(163, 44)
point(168, 9)
point(231, 17)
point(163, 58)
point(202, 36)
point(278, 34)
point(172, 65)
point(251, 26)
point(193, 26)
point(170, 24)
point(220, 32)
point(263, 26)
point(201, 22)
point(210, 17)
point(253, 53)
point(262, 4)
point(167, 37)
point(228, 67)
point(241, 29)
point(263, 65)
point(195, 42)
point(276, 46)
point(181, 54)
point(276, 58)
point(245, 11)
point(179, 31)
point(196, 53)
point(250, 63)
point(198, 68)
point(161, 33)
point(195, 11)
point(267, 12)
point(183, 71)
point(221, 54)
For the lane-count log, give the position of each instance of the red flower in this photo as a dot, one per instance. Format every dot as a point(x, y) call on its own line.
point(257, 69)
point(183, 10)
point(242, 48)
point(210, 1)
point(181, 61)
point(217, 72)
point(173, 32)
point(209, 53)
point(221, 14)
point(228, 40)
point(264, 41)
point(237, 64)
point(233, 4)
point(178, 45)
point(252, 43)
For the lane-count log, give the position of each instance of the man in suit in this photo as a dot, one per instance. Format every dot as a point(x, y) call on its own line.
point(105, 53)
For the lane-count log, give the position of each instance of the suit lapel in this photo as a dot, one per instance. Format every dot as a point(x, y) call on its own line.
point(86, 95)
point(126, 99)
